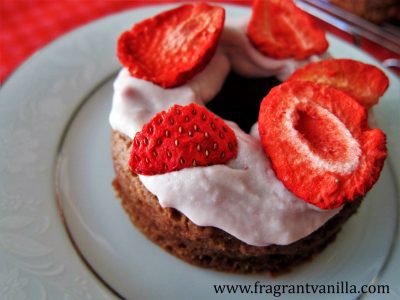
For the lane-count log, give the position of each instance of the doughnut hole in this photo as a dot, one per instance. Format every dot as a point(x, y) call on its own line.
point(240, 97)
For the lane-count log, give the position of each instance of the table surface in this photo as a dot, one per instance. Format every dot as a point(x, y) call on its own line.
point(28, 25)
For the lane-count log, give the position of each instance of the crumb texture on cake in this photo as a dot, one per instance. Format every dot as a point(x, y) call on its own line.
point(209, 246)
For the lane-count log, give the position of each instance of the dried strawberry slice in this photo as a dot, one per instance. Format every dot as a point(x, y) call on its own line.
point(280, 29)
point(319, 143)
point(170, 48)
point(182, 137)
point(365, 83)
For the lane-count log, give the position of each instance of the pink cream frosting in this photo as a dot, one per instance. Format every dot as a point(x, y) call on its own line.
point(243, 197)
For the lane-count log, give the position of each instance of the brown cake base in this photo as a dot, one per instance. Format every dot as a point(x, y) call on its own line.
point(210, 247)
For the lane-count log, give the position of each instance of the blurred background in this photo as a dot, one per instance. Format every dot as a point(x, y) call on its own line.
point(28, 25)
point(373, 25)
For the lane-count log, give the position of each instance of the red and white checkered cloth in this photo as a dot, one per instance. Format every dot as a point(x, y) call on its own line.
point(28, 25)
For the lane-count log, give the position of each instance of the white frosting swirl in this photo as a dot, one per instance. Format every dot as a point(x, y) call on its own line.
point(243, 197)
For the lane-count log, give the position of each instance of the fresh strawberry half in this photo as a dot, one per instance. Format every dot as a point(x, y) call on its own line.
point(365, 83)
point(319, 143)
point(183, 137)
point(170, 48)
point(280, 30)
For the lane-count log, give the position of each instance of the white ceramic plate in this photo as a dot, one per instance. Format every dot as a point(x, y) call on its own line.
point(55, 144)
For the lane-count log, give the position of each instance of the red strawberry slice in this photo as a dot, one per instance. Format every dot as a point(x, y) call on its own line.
point(170, 48)
point(365, 83)
point(279, 29)
point(183, 137)
point(319, 143)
